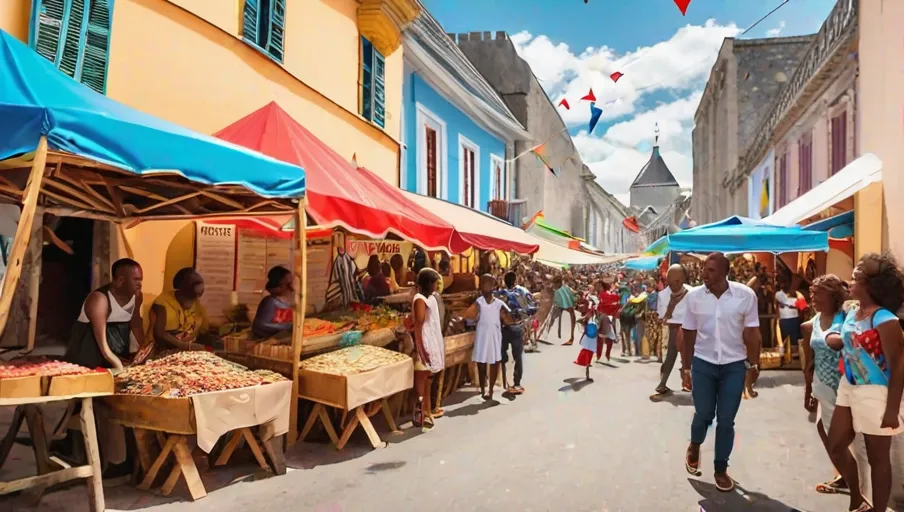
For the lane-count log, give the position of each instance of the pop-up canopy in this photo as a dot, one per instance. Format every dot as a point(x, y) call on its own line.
point(740, 234)
point(338, 194)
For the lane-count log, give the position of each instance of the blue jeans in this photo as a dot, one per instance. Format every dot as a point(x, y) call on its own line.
point(717, 395)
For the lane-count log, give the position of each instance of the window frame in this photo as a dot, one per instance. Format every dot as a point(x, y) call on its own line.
point(466, 143)
point(425, 118)
point(254, 44)
point(839, 148)
point(805, 163)
point(494, 193)
point(376, 79)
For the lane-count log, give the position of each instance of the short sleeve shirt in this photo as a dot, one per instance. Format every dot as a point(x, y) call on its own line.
point(863, 356)
point(720, 322)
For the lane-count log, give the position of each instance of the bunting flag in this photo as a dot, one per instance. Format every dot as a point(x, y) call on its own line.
point(590, 96)
point(595, 114)
point(540, 153)
point(682, 6)
point(615, 76)
point(630, 223)
point(564, 103)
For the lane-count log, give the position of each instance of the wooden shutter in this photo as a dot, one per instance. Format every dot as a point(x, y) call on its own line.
point(74, 24)
point(805, 157)
point(430, 137)
point(465, 194)
point(500, 194)
point(839, 142)
point(48, 29)
point(367, 79)
point(97, 46)
point(249, 21)
point(276, 36)
point(471, 169)
point(379, 68)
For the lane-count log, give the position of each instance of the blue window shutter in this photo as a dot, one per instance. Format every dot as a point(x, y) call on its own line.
point(367, 78)
point(97, 46)
point(277, 29)
point(48, 28)
point(379, 72)
point(249, 21)
point(72, 39)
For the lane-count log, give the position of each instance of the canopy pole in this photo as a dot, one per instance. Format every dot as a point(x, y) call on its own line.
point(23, 231)
point(125, 241)
point(301, 306)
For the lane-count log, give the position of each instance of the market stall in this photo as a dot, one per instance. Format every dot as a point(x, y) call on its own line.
point(68, 151)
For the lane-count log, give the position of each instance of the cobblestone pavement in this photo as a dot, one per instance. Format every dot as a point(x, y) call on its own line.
point(565, 445)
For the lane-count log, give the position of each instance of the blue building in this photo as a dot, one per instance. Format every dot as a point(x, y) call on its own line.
point(457, 133)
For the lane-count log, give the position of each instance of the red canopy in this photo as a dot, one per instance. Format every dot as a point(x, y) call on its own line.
point(337, 193)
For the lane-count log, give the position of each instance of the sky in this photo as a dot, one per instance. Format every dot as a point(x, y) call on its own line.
point(666, 59)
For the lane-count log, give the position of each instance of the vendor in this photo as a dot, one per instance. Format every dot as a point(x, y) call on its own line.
point(375, 284)
point(390, 278)
point(177, 319)
point(274, 313)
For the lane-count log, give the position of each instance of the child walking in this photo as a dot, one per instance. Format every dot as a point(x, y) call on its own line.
point(428, 340)
point(488, 310)
point(589, 345)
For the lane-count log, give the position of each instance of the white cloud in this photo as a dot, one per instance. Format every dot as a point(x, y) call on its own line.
point(680, 65)
point(775, 32)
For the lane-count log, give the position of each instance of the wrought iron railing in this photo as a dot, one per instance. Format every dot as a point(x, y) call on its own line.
point(509, 211)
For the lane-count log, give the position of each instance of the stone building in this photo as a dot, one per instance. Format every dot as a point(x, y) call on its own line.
point(743, 83)
point(604, 216)
point(561, 194)
point(655, 185)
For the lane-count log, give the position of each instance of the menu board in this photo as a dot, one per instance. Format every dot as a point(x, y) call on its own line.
point(319, 265)
point(215, 261)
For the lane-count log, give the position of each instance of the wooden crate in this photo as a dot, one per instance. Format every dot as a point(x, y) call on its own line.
point(349, 391)
point(459, 348)
point(74, 385)
point(21, 387)
point(173, 415)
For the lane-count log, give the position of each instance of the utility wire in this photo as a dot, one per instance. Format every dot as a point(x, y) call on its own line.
point(770, 13)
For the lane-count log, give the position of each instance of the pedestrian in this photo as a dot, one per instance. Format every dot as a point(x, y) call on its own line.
point(564, 300)
point(869, 393)
point(786, 302)
point(589, 343)
point(428, 341)
point(821, 374)
point(721, 347)
point(672, 309)
point(653, 324)
point(488, 311)
point(521, 305)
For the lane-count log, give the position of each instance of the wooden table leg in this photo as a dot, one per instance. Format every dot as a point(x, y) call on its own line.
point(189, 470)
point(309, 424)
point(347, 433)
point(369, 429)
point(328, 425)
point(274, 450)
point(151, 474)
point(387, 415)
point(255, 448)
point(10, 439)
point(34, 418)
point(95, 481)
point(145, 445)
point(233, 443)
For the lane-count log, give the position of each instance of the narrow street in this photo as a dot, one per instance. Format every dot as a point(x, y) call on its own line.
point(565, 445)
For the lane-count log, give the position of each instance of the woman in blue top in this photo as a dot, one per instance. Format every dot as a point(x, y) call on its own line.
point(828, 294)
point(872, 380)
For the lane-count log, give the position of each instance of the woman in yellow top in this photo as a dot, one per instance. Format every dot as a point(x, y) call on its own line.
point(177, 319)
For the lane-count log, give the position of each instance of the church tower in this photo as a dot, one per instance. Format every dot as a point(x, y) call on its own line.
point(655, 185)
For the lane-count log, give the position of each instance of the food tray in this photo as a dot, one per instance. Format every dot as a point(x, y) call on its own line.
point(74, 385)
point(21, 387)
point(349, 391)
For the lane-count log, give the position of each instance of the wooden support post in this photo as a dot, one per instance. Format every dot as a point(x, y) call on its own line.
point(89, 432)
point(301, 305)
point(125, 241)
point(23, 233)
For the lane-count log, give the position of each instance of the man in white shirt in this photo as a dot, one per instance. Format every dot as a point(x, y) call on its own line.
point(788, 315)
point(671, 308)
point(722, 338)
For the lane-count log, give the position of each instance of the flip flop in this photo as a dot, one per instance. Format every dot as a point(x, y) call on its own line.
point(832, 486)
point(693, 469)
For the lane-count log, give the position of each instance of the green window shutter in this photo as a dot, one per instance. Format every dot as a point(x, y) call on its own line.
point(72, 37)
point(367, 78)
point(379, 90)
point(275, 43)
point(249, 21)
point(97, 47)
point(48, 28)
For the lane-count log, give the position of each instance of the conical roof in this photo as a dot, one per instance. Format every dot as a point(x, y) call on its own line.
point(655, 173)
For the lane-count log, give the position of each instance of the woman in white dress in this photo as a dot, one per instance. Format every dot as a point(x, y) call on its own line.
point(428, 342)
point(489, 311)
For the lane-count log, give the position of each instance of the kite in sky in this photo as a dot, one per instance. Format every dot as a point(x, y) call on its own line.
point(564, 103)
point(595, 114)
point(590, 96)
point(682, 6)
point(615, 76)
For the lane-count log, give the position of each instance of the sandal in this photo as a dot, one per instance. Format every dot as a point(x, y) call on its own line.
point(519, 389)
point(833, 486)
point(568, 343)
point(692, 468)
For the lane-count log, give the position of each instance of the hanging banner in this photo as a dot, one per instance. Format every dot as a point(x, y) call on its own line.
point(362, 250)
point(761, 188)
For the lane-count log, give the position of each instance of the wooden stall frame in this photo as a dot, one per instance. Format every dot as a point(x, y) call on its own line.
point(301, 239)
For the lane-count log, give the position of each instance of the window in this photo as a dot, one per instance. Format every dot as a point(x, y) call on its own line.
point(373, 84)
point(838, 143)
point(805, 157)
point(263, 25)
point(430, 154)
point(75, 36)
point(469, 173)
point(783, 179)
point(499, 179)
point(431, 146)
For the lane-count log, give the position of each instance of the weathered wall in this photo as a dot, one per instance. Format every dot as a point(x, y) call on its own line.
point(561, 198)
point(658, 197)
point(605, 229)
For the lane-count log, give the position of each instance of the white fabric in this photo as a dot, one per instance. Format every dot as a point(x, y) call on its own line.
point(720, 322)
point(117, 313)
point(589, 342)
point(488, 339)
point(663, 305)
point(826, 397)
point(783, 299)
point(219, 412)
point(432, 334)
point(867, 403)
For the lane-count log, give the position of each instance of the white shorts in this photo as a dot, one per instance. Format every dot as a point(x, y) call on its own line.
point(826, 397)
point(867, 404)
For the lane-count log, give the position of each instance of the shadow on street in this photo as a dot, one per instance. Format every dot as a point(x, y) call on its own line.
point(739, 500)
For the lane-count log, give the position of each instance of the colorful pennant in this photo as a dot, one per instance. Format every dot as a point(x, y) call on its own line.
point(595, 114)
point(540, 153)
point(682, 6)
point(590, 96)
point(615, 76)
point(564, 103)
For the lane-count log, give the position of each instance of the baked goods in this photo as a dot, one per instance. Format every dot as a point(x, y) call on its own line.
point(183, 374)
point(352, 360)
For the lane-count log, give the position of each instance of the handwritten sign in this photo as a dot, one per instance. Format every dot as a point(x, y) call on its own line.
point(215, 261)
point(362, 250)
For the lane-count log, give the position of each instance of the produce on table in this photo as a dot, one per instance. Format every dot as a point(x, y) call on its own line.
point(183, 374)
point(317, 327)
point(43, 367)
point(353, 360)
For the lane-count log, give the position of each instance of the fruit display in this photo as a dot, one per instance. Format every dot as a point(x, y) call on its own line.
point(43, 367)
point(353, 360)
point(317, 327)
point(365, 319)
point(183, 374)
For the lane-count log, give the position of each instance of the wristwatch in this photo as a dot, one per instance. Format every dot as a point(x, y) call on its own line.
point(752, 366)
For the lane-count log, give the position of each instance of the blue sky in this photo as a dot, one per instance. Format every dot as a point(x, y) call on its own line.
point(666, 58)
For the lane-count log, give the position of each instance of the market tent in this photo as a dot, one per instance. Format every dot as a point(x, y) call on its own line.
point(740, 234)
point(644, 263)
point(855, 177)
point(538, 227)
point(338, 193)
point(37, 100)
point(477, 228)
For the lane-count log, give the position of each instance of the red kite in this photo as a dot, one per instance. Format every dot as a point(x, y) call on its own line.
point(564, 103)
point(615, 76)
point(590, 96)
point(682, 6)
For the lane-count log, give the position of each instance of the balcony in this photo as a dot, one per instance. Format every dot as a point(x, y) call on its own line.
point(509, 211)
point(382, 22)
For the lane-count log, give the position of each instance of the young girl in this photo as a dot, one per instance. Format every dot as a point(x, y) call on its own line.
point(488, 310)
point(428, 341)
point(589, 344)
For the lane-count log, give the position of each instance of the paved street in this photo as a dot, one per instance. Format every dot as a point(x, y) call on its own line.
point(565, 445)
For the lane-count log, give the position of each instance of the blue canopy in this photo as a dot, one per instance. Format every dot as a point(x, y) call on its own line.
point(644, 263)
point(842, 219)
point(740, 234)
point(36, 99)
